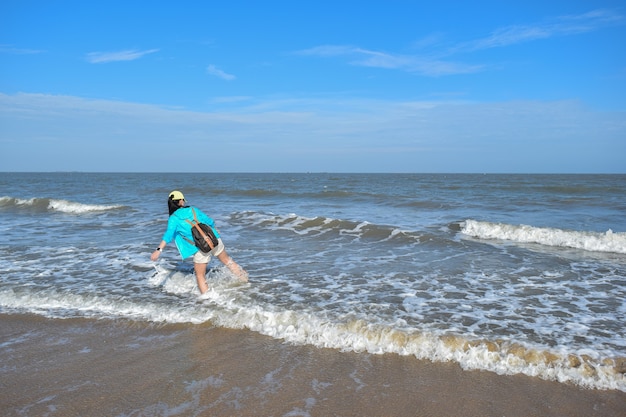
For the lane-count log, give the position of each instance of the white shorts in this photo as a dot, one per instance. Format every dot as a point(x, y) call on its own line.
point(204, 258)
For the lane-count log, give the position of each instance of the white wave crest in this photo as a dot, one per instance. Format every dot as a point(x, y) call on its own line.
point(317, 226)
point(63, 206)
point(78, 208)
point(589, 241)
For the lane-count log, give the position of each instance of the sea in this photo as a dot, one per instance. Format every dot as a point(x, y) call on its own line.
point(509, 274)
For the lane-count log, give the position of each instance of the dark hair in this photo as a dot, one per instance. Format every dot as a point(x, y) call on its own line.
point(172, 205)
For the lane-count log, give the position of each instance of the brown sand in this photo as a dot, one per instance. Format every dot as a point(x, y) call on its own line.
point(104, 368)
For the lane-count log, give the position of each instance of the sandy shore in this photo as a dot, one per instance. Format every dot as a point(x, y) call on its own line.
point(104, 368)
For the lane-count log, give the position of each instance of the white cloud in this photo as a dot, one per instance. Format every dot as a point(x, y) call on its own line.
point(8, 49)
point(429, 66)
point(44, 132)
point(231, 99)
point(329, 50)
point(425, 65)
point(213, 70)
point(128, 55)
point(561, 26)
point(438, 63)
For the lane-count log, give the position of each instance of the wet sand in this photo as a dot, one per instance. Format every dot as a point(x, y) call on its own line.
point(104, 368)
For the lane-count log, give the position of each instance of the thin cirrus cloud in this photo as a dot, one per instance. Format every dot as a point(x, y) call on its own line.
point(438, 64)
point(9, 49)
point(213, 70)
point(128, 55)
point(425, 65)
point(561, 26)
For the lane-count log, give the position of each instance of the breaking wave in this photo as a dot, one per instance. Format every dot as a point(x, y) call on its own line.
point(226, 307)
point(54, 205)
point(325, 226)
point(590, 241)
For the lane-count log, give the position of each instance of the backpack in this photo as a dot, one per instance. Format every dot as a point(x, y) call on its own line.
point(203, 236)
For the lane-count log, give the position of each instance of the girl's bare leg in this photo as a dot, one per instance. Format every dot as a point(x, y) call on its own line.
point(201, 277)
point(233, 266)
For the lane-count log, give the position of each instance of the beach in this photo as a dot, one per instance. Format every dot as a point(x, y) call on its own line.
point(79, 367)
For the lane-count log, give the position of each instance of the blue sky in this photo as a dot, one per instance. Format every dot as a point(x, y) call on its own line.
point(288, 86)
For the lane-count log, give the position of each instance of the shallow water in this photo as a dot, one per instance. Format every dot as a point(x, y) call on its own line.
point(515, 274)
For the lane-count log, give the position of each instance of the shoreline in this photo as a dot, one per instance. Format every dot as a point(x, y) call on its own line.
point(79, 367)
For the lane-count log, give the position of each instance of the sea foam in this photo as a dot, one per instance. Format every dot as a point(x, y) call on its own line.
point(229, 308)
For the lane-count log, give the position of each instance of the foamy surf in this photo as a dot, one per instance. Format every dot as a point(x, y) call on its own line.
point(230, 307)
point(586, 369)
point(62, 305)
point(589, 241)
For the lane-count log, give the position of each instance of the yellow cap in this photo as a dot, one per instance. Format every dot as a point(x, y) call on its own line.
point(177, 195)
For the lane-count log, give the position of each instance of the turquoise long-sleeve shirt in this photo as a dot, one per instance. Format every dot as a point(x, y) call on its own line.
point(178, 229)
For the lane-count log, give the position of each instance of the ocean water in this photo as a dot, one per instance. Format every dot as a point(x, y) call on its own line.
point(514, 274)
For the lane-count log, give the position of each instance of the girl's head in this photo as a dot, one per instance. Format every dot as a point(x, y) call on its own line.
point(175, 201)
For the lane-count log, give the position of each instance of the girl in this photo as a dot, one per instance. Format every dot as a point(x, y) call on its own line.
point(179, 230)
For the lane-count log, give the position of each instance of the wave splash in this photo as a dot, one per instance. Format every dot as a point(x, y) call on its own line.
point(590, 241)
point(227, 307)
point(55, 205)
point(586, 369)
